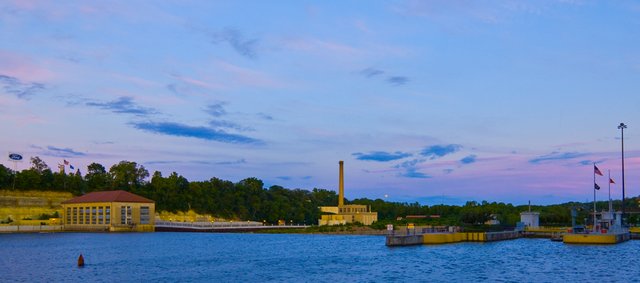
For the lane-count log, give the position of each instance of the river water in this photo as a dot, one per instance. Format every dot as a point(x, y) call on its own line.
point(211, 257)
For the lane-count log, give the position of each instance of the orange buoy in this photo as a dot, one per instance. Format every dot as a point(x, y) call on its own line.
point(80, 261)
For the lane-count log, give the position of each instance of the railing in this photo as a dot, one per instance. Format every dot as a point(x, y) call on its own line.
point(548, 229)
point(223, 225)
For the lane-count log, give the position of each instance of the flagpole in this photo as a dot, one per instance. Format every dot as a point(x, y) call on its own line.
point(15, 173)
point(622, 126)
point(610, 204)
point(594, 197)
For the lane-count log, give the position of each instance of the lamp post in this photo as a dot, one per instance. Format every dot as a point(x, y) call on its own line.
point(622, 126)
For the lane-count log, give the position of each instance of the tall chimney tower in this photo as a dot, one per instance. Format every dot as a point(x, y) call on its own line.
point(341, 185)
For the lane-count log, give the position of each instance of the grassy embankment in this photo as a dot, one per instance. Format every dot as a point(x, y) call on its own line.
point(31, 207)
point(187, 216)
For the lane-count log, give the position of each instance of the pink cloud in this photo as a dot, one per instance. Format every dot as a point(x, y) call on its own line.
point(135, 80)
point(198, 82)
point(317, 46)
point(23, 68)
point(248, 77)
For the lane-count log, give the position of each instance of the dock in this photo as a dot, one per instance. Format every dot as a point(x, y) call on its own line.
point(450, 237)
point(596, 238)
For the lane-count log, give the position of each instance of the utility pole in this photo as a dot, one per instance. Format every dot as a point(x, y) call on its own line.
point(622, 126)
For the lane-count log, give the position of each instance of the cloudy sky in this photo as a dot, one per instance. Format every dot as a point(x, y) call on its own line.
point(428, 101)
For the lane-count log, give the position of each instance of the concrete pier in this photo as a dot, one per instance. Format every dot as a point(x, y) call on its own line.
point(613, 238)
point(454, 237)
point(409, 240)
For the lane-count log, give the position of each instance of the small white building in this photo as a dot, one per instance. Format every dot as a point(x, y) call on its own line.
point(530, 219)
point(493, 220)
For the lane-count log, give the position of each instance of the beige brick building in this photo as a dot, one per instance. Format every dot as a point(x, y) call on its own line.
point(115, 211)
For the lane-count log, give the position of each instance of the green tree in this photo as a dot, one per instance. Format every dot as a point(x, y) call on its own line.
point(97, 178)
point(38, 177)
point(6, 177)
point(172, 192)
point(28, 180)
point(127, 175)
point(473, 213)
point(39, 165)
point(75, 183)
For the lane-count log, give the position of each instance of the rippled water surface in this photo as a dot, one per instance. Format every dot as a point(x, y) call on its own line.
point(188, 257)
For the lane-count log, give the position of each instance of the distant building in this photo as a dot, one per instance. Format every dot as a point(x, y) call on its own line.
point(116, 211)
point(493, 220)
point(346, 213)
point(530, 219)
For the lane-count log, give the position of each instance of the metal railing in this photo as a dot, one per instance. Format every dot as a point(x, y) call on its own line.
point(223, 225)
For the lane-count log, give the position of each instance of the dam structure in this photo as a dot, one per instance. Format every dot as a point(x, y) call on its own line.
point(346, 213)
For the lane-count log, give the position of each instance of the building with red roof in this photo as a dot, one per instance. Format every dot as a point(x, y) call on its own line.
point(116, 211)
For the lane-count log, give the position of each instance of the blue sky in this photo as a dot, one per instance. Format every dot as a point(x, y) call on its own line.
point(428, 101)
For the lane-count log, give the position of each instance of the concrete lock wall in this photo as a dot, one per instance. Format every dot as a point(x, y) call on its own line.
point(404, 240)
point(30, 228)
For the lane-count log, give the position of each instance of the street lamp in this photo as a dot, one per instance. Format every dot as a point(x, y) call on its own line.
point(622, 126)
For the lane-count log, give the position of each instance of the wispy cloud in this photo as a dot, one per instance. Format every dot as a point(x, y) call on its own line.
point(123, 105)
point(411, 173)
point(103, 142)
point(555, 156)
point(181, 130)
point(398, 80)
point(232, 162)
point(216, 109)
point(243, 76)
point(173, 88)
point(186, 83)
point(381, 156)
point(232, 36)
point(229, 125)
point(161, 162)
point(320, 47)
point(265, 116)
point(455, 13)
point(585, 162)
point(372, 72)
point(62, 152)
point(468, 159)
point(411, 169)
point(437, 151)
point(18, 88)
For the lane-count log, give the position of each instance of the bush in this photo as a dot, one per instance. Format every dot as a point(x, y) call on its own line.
point(45, 216)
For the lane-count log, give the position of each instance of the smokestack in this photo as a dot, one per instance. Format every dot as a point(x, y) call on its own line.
point(341, 185)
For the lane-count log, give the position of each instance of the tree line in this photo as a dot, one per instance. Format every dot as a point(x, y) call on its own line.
point(248, 199)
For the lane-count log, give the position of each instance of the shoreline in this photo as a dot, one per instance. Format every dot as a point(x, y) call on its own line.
point(29, 229)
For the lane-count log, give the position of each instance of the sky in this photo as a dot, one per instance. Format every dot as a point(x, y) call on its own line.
point(426, 101)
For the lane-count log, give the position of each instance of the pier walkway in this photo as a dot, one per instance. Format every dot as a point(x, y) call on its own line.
point(449, 237)
point(169, 226)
